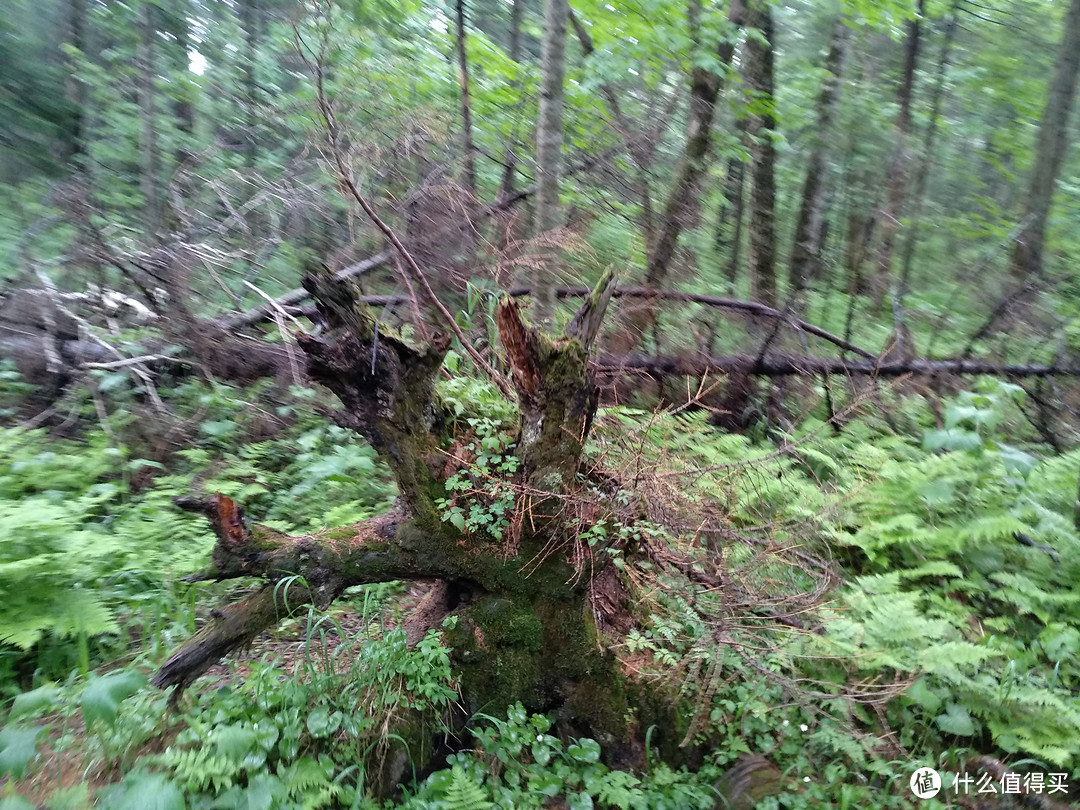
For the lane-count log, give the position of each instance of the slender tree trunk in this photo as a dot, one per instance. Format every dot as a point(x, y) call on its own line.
point(74, 89)
point(888, 219)
point(549, 138)
point(922, 174)
point(682, 200)
point(738, 189)
point(806, 252)
point(1027, 259)
point(640, 149)
point(177, 24)
point(731, 219)
point(517, 11)
point(468, 147)
point(249, 21)
point(759, 71)
point(683, 197)
point(149, 158)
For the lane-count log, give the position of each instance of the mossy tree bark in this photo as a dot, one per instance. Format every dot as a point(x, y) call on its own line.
point(530, 615)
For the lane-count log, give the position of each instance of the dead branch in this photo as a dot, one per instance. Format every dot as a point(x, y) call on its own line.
point(783, 365)
point(326, 111)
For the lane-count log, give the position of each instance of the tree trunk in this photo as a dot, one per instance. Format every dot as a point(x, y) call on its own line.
point(549, 138)
point(888, 218)
point(149, 158)
point(1027, 259)
point(249, 22)
point(517, 12)
point(731, 214)
point(922, 175)
point(759, 73)
point(682, 200)
point(806, 252)
point(683, 197)
point(75, 90)
point(175, 21)
point(641, 149)
point(529, 618)
point(468, 147)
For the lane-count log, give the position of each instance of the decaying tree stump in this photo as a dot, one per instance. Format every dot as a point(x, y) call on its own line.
point(530, 618)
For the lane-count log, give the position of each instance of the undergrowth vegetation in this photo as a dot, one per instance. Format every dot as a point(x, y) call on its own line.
point(952, 614)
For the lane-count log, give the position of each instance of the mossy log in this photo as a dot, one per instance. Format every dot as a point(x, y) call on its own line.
point(529, 621)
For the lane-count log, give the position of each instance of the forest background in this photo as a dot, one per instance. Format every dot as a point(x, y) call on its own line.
point(816, 522)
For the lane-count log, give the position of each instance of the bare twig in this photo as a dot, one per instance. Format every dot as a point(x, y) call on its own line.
point(326, 110)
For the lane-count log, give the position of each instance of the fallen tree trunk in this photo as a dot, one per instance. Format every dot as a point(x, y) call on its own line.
point(785, 365)
point(752, 308)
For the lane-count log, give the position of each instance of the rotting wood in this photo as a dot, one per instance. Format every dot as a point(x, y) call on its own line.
point(527, 620)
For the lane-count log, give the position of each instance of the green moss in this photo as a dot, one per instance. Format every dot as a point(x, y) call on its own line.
point(263, 538)
point(544, 654)
point(508, 624)
point(497, 643)
point(343, 533)
point(661, 710)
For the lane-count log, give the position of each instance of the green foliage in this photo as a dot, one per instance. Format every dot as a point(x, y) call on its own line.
point(481, 495)
point(464, 396)
point(144, 791)
point(307, 739)
point(948, 591)
point(17, 747)
point(55, 545)
point(518, 764)
point(85, 550)
point(102, 696)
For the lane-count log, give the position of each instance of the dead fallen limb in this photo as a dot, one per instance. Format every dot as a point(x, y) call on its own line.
point(783, 365)
point(749, 307)
point(300, 571)
point(256, 314)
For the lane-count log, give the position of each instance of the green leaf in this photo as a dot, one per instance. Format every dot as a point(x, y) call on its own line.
point(546, 783)
point(233, 740)
point(952, 439)
point(956, 720)
point(35, 701)
point(1016, 462)
point(73, 798)
point(102, 698)
point(585, 750)
point(321, 723)
point(939, 493)
point(17, 747)
point(923, 696)
point(144, 791)
point(266, 734)
point(264, 792)
point(16, 802)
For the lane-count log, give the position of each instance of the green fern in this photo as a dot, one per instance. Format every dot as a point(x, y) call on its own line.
point(463, 793)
